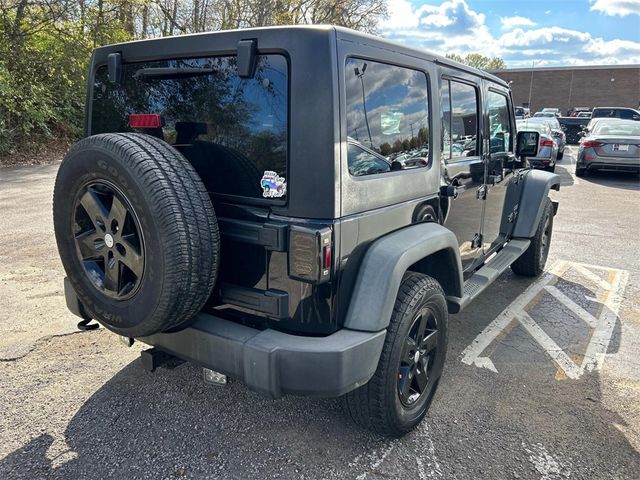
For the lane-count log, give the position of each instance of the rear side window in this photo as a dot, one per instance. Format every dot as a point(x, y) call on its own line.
point(388, 113)
point(232, 130)
point(459, 120)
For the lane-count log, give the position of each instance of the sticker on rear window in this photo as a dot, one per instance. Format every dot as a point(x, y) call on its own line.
point(273, 185)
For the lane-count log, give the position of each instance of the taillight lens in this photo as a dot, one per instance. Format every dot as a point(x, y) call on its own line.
point(546, 143)
point(145, 120)
point(310, 254)
point(591, 144)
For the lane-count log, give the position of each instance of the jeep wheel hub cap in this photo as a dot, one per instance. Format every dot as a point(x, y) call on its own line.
point(108, 240)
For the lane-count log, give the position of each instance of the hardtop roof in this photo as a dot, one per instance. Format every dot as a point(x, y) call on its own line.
point(341, 33)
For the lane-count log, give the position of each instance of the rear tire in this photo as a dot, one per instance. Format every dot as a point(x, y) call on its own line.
point(136, 232)
point(398, 395)
point(580, 172)
point(551, 168)
point(531, 263)
point(560, 155)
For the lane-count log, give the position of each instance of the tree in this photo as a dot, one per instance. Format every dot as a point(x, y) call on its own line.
point(478, 60)
point(45, 47)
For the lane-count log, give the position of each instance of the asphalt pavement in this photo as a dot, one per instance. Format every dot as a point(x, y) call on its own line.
point(542, 379)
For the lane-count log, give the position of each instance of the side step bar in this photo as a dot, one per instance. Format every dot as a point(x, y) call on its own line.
point(480, 280)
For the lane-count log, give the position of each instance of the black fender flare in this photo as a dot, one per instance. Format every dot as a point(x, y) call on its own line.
point(525, 197)
point(385, 263)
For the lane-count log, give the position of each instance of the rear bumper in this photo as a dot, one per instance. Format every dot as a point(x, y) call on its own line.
point(277, 363)
point(269, 361)
point(610, 165)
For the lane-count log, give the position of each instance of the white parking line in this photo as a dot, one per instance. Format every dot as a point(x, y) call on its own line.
point(609, 297)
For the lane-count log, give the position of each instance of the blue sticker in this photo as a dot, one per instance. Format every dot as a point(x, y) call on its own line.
point(273, 185)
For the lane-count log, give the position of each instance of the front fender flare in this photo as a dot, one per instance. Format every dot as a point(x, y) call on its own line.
point(384, 266)
point(535, 189)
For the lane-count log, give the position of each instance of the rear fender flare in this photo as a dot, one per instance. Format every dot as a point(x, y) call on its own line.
point(384, 265)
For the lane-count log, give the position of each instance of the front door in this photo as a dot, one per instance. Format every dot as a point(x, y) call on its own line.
point(499, 160)
point(462, 165)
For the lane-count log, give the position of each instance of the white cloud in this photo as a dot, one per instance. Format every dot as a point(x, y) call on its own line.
point(511, 22)
point(453, 27)
point(547, 12)
point(617, 7)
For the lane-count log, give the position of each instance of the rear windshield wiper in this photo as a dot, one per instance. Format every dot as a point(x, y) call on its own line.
point(167, 73)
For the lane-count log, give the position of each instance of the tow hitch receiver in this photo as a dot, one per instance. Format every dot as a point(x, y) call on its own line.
point(154, 358)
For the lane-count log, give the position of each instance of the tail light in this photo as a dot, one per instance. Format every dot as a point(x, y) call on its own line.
point(591, 144)
point(145, 120)
point(546, 143)
point(310, 254)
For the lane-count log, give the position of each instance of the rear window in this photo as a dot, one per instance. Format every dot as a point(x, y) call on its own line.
point(232, 130)
point(618, 128)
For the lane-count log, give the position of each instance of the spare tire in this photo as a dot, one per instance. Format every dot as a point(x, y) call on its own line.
point(136, 232)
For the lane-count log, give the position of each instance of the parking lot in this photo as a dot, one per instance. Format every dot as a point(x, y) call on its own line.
point(542, 379)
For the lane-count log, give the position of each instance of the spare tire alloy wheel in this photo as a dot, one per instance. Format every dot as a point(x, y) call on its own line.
point(109, 239)
point(136, 232)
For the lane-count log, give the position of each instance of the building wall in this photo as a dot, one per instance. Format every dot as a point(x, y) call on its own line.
point(565, 88)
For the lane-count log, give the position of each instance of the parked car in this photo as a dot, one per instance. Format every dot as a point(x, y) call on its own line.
point(557, 132)
point(555, 111)
point(623, 113)
point(573, 112)
point(548, 148)
point(522, 113)
point(573, 128)
point(610, 146)
point(545, 114)
point(341, 282)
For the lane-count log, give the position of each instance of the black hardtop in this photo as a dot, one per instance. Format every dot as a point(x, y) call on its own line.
point(201, 43)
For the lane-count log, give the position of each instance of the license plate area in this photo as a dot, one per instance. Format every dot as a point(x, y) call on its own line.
point(620, 147)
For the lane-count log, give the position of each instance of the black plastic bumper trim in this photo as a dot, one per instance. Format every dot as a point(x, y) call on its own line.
point(277, 363)
point(271, 236)
point(274, 303)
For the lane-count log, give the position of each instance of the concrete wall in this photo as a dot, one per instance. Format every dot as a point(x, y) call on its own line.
point(565, 88)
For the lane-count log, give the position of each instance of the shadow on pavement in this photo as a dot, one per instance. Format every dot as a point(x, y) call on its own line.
point(624, 180)
point(481, 425)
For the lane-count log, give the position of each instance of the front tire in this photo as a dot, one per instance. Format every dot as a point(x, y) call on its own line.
point(531, 263)
point(398, 395)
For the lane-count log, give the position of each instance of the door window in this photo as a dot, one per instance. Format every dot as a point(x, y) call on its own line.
point(499, 123)
point(459, 120)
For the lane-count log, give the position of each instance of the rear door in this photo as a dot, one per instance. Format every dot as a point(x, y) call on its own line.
point(499, 132)
point(462, 163)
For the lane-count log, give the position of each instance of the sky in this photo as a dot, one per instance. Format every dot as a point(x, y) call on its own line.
point(522, 32)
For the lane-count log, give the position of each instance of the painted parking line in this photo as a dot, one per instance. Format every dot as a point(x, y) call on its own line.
point(606, 299)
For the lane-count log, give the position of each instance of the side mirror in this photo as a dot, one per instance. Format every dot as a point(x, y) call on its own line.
point(527, 144)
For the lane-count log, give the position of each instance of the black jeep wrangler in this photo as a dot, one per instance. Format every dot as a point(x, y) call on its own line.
point(299, 208)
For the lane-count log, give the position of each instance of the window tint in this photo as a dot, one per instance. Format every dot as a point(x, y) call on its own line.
point(626, 114)
point(362, 162)
point(459, 120)
point(499, 123)
point(387, 110)
point(232, 130)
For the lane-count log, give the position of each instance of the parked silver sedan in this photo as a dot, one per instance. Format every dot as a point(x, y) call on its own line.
point(557, 132)
point(610, 145)
point(547, 149)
